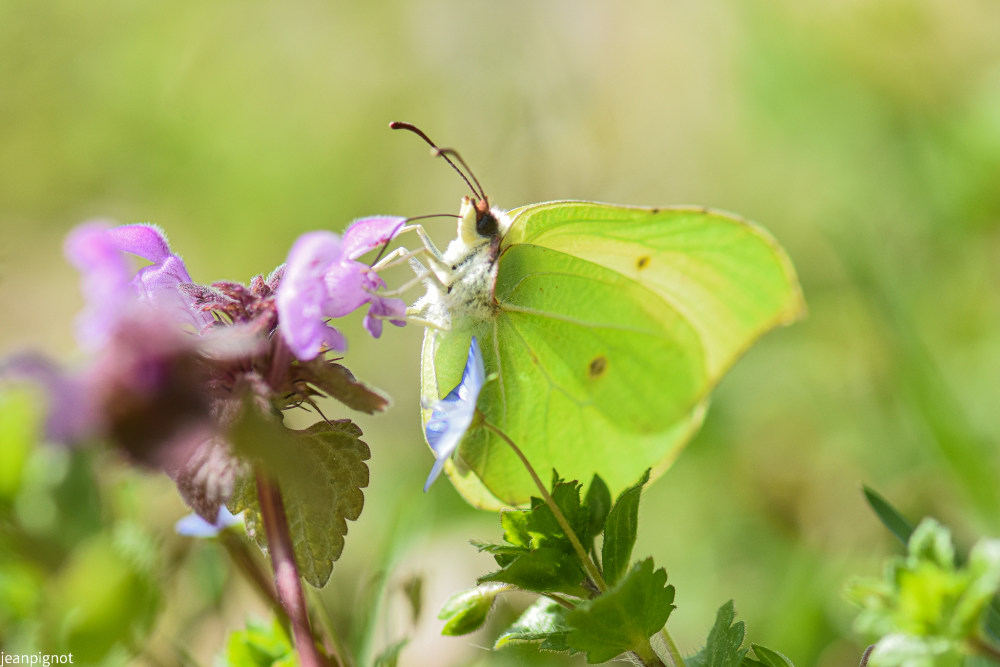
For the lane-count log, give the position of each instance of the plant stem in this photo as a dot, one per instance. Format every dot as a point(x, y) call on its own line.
point(675, 654)
point(588, 564)
point(562, 602)
point(286, 572)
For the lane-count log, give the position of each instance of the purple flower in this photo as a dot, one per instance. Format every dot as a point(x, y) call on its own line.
point(112, 292)
point(323, 279)
point(194, 525)
point(453, 414)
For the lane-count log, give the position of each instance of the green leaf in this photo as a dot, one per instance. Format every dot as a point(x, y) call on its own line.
point(620, 531)
point(320, 472)
point(722, 649)
point(598, 504)
point(515, 528)
point(767, 658)
point(466, 611)
point(18, 433)
point(624, 617)
point(543, 621)
point(542, 524)
point(926, 602)
point(544, 570)
point(259, 645)
point(889, 515)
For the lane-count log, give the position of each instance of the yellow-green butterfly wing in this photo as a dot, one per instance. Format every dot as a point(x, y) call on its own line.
point(612, 325)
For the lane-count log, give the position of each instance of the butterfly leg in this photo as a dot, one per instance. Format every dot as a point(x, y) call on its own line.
point(400, 254)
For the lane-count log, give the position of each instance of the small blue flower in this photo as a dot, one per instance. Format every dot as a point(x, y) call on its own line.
point(194, 526)
point(453, 414)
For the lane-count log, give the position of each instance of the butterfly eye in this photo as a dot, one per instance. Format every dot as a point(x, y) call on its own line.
point(486, 225)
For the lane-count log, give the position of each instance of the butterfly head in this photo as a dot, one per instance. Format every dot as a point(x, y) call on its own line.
point(478, 223)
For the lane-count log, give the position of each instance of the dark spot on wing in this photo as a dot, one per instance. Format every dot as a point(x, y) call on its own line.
point(598, 365)
point(642, 262)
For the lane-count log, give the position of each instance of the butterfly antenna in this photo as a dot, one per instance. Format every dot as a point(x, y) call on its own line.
point(445, 152)
point(477, 189)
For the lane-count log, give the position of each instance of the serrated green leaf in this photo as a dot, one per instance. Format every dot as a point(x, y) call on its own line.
point(543, 621)
point(624, 617)
point(722, 649)
point(598, 504)
point(515, 527)
point(542, 524)
point(890, 517)
point(544, 570)
point(467, 610)
point(320, 472)
point(620, 531)
point(768, 658)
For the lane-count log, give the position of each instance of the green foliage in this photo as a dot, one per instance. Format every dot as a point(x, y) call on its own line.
point(724, 646)
point(543, 621)
point(466, 611)
point(618, 615)
point(926, 609)
point(17, 433)
point(620, 531)
point(321, 471)
point(105, 595)
point(624, 617)
point(259, 645)
point(890, 517)
point(725, 639)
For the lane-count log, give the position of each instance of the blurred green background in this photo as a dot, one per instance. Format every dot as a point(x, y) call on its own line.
point(865, 134)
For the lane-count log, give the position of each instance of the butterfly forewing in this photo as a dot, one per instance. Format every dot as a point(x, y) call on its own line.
point(727, 277)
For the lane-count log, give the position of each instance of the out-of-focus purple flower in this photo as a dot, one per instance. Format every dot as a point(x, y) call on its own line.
point(323, 279)
point(109, 287)
point(453, 414)
point(73, 412)
point(193, 525)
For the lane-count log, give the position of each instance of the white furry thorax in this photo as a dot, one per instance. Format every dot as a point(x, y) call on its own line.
point(464, 276)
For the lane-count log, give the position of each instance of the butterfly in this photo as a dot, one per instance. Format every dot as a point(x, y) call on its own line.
point(603, 329)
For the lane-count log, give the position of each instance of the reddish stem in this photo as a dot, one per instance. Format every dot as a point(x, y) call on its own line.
point(286, 572)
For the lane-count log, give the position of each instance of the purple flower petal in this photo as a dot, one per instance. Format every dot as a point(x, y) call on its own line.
point(369, 233)
point(194, 526)
point(453, 414)
point(146, 241)
point(72, 414)
point(104, 281)
point(302, 295)
point(384, 308)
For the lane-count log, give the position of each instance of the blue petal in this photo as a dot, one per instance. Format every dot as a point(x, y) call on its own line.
point(453, 414)
point(195, 526)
